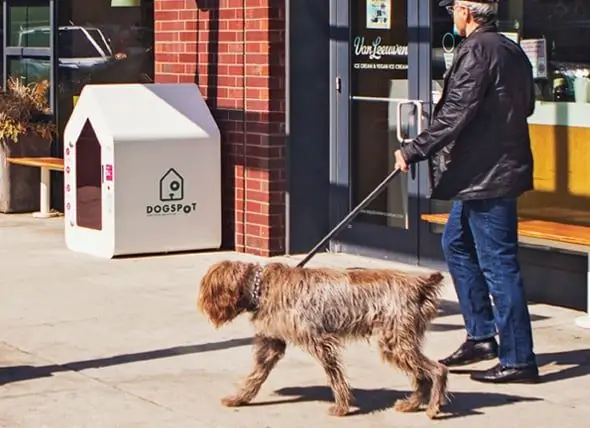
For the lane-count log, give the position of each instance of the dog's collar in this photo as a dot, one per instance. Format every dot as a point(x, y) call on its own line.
point(256, 288)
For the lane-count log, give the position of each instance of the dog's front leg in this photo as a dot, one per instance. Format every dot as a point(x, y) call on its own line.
point(328, 354)
point(267, 353)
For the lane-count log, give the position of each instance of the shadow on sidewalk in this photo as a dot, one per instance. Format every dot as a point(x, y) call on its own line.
point(578, 363)
point(374, 400)
point(22, 373)
point(449, 308)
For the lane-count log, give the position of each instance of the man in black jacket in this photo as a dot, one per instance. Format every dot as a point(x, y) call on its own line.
point(480, 157)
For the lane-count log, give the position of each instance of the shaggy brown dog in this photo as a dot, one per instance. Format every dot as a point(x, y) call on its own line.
point(321, 309)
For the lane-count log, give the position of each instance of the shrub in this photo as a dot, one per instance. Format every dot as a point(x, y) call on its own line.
point(24, 109)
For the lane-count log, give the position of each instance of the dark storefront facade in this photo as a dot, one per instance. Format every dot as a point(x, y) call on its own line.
point(313, 97)
point(386, 63)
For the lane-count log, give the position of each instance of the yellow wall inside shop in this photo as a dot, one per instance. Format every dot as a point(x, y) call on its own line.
point(561, 176)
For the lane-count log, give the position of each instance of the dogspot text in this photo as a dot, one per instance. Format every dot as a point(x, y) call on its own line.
point(170, 209)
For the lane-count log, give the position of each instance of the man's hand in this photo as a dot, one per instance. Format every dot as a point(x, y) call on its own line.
point(400, 162)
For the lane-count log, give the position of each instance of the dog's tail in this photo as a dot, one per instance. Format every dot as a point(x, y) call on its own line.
point(429, 290)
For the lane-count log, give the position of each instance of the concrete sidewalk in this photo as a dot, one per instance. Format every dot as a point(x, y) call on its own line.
point(86, 342)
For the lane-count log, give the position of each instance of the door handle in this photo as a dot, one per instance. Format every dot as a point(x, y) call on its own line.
point(419, 121)
point(418, 105)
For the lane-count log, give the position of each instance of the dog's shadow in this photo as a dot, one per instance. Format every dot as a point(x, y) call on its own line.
point(374, 400)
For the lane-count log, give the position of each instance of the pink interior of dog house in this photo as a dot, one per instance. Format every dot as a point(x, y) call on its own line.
point(88, 167)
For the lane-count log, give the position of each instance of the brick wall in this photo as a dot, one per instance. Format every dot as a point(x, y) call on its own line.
point(234, 50)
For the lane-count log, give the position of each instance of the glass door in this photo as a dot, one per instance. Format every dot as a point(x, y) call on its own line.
point(443, 43)
point(381, 105)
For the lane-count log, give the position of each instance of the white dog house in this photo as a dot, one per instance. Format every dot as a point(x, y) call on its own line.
point(142, 171)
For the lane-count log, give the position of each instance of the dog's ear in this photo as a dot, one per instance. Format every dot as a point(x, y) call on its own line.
point(221, 291)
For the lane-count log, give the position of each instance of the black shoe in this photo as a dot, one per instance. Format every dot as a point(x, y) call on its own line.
point(472, 352)
point(501, 374)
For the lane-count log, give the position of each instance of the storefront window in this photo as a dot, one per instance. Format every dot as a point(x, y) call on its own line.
point(102, 41)
point(554, 34)
point(30, 70)
point(26, 32)
point(28, 25)
point(98, 41)
point(1, 44)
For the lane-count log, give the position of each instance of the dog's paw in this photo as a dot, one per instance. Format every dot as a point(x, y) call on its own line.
point(232, 401)
point(407, 405)
point(433, 412)
point(336, 410)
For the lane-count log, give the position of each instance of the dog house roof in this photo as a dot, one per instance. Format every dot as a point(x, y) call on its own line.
point(143, 112)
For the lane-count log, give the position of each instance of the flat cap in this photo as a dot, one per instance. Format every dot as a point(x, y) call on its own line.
point(448, 2)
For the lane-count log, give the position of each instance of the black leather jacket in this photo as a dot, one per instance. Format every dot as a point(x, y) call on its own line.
point(478, 143)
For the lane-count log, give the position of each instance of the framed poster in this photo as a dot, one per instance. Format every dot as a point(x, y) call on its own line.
point(378, 14)
point(536, 50)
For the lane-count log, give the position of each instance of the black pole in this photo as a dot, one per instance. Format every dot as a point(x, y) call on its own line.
point(346, 220)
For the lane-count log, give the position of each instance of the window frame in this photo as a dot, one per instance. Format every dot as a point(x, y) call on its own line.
point(42, 53)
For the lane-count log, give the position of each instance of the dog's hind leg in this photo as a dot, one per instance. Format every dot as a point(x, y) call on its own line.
point(431, 382)
point(327, 351)
point(439, 374)
point(429, 378)
point(267, 353)
point(420, 383)
point(426, 375)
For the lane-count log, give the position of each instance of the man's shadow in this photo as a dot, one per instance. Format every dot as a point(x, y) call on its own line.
point(374, 400)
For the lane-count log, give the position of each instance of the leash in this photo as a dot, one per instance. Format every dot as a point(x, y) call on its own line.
point(348, 219)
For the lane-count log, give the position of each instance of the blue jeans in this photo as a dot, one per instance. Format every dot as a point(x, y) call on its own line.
point(480, 243)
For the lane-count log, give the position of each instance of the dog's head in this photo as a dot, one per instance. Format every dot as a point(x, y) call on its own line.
point(224, 291)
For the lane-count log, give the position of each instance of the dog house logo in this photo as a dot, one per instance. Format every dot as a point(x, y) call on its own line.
point(171, 186)
point(171, 195)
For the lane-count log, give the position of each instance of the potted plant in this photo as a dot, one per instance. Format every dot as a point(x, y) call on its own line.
point(26, 130)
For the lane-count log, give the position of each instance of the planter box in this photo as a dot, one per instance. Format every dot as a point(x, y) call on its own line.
point(19, 185)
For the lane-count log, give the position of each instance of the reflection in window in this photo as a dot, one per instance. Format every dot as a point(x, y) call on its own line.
point(1, 45)
point(555, 35)
point(28, 26)
point(34, 37)
point(101, 43)
point(27, 31)
point(30, 70)
point(80, 42)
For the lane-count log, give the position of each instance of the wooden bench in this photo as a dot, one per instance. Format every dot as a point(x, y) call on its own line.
point(547, 234)
point(47, 165)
